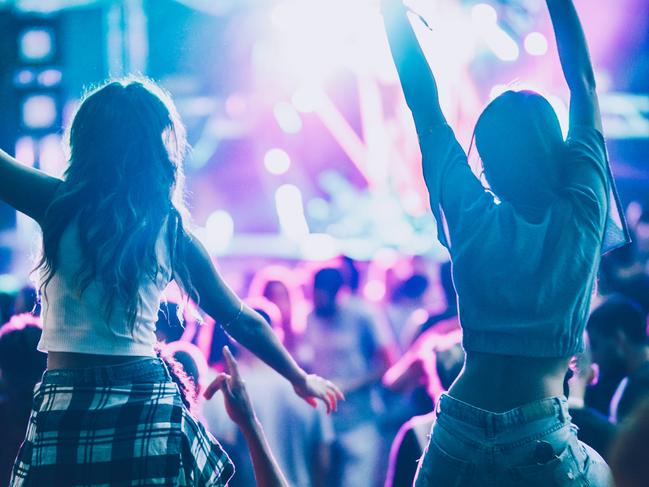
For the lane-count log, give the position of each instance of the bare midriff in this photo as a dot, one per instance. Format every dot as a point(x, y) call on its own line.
point(499, 383)
point(69, 360)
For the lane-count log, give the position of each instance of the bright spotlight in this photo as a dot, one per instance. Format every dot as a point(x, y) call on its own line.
point(536, 44)
point(375, 290)
point(319, 247)
point(36, 45)
point(287, 117)
point(502, 45)
point(484, 14)
point(277, 161)
point(219, 230)
point(39, 112)
point(290, 211)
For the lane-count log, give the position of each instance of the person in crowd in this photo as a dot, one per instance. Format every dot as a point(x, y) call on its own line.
point(630, 450)
point(594, 428)
point(277, 285)
point(525, 256)
point(114, 235)
point(169, 327)
point(407, 448)
point(21, 367)
point(27, 301)
point(299, 436)
point(407, 298)
point(618, 336)
point(192, 360)
point(341, 343)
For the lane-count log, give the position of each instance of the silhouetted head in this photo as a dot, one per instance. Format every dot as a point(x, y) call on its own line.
point(615, 327)
point(519, 139)
point(326, 285)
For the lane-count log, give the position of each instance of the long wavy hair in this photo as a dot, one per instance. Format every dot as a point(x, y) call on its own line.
point(123, 184)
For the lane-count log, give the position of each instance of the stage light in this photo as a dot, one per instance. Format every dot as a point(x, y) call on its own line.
point(306, 100)
point(39, 112)
point(277, 161)
point(374, 290)
point(484, 14)
point(26, 150)
point(36, 45)
point(50, 78)
point(536, 44)
point(287, 117)
point(290, 211)
point(219, 230)
point(24, 77)
point(318, 208)
point(319, 247)
point(502, 45)
point(51, 156)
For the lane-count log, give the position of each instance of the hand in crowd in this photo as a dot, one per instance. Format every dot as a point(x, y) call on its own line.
point(314, 387)
point(237, 402)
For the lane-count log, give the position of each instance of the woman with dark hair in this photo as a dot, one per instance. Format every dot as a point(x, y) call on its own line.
point(525, 257)
point(114, 235)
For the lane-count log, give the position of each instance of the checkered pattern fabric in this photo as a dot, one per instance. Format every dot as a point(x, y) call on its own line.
point(126, 435)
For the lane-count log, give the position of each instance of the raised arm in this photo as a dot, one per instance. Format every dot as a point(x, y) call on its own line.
point(239, 407)
point(416, 77)
point(26, 189)
point(248, 328)
point(576, 64)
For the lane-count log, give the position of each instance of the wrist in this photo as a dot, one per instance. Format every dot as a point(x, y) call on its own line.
point(298, 377)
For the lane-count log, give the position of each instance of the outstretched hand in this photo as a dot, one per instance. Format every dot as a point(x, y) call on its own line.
point(314, 387)
point(237, 402)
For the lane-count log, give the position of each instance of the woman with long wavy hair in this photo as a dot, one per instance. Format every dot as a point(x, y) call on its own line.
point(114, 235)
point(524, 264)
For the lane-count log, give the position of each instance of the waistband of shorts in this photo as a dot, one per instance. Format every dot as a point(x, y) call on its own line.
point(147, 370)
point(542, 409)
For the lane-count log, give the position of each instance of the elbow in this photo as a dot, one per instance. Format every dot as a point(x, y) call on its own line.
point(585, 83)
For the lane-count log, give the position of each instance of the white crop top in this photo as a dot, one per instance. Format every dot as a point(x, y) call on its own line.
point(79, 324)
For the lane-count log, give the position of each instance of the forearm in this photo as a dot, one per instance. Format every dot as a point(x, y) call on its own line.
point(571, 42)
point(417, 80)
point(267, 471)
point(259, 338)
point(26, 189)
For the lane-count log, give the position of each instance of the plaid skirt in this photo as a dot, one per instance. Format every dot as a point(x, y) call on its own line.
point(122, 425)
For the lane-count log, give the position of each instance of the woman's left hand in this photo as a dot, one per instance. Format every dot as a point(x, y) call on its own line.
point(313, 387)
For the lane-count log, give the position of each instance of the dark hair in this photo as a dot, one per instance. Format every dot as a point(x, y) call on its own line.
point(352, 276)
point(186, 386)
point(328, 279)
point(169, 327)
point(123, 185)
point(630, 449)
point(519, 139)
point(619, 313)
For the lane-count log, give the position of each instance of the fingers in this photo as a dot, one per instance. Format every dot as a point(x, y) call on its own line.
point(215, 385)
point(311, 400)
point(337, 392)
point(231, 364)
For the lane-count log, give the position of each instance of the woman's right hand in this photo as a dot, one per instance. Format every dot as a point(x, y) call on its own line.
point(237, 402)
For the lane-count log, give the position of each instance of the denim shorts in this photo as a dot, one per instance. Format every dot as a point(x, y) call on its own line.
point(532, 445)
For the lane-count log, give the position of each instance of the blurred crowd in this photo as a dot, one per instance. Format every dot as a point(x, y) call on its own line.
point(387, 333)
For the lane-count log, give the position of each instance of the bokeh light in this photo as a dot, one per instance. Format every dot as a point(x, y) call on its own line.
point(277, 161)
